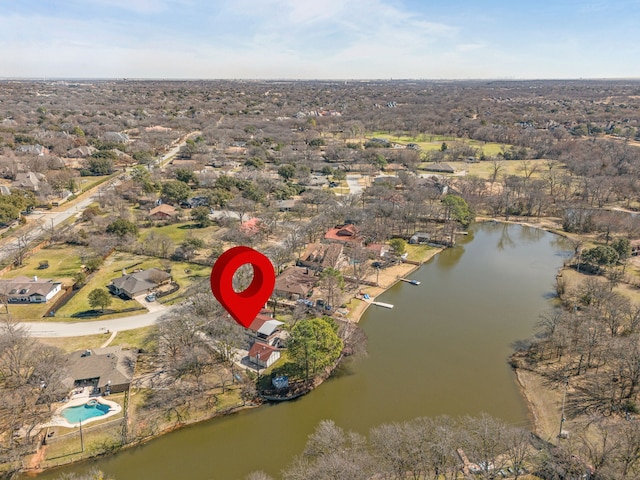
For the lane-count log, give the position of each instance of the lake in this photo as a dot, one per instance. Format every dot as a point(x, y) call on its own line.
point(443, 349)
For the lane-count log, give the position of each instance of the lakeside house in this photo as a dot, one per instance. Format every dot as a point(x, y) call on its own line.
point(294, 283)
point(107, 370)
point(29, 289)
point(131, 285)
point(347, 234)
point(263, 355)
point(318, 256)
point(265, 329)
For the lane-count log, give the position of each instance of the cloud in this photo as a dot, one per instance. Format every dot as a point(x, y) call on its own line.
point(138, 6)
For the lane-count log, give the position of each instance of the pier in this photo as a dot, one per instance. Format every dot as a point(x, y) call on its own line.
point(367, 299)
point(382, 304)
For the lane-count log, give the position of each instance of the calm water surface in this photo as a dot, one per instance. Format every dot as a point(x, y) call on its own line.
point(442, 350)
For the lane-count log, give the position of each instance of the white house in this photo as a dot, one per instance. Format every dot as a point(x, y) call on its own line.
point(29, 290)
point(263, 355)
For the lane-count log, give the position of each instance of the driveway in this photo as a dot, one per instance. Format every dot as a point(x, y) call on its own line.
point(154, 306)
point(354, 184)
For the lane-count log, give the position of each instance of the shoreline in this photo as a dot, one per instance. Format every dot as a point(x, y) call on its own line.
point(392, 277)
point(388, 278)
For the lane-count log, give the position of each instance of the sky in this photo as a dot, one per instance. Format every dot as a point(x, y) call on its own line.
point(320, 39)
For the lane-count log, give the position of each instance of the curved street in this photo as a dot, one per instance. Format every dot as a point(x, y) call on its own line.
point(81, 329)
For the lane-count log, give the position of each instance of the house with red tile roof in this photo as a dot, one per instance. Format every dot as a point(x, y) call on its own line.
point(347, 234)
point(265, 329)
point(251, 226)
point(263, 355)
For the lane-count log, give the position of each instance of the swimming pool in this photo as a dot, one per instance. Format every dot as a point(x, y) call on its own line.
point(83, 412)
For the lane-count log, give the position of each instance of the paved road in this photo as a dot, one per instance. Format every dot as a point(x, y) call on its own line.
point(52, 219)
point(354, 185)
point(81, 329)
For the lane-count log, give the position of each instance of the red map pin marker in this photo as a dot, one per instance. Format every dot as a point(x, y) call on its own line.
point(243, 306)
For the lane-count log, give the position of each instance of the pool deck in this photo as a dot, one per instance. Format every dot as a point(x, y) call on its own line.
point(80, 397)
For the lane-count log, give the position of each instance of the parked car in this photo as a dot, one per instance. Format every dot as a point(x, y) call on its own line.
point(151, 297)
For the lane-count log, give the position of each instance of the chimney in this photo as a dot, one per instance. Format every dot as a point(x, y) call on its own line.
point(35, 278)
point(124, 272)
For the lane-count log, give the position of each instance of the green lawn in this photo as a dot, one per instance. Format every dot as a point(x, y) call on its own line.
point(417, 253)
point(137, 338)
point(179, 231)
point(112, 268)
point(185, 274)
point(72, 344)
point(64, 262)
point(428, 142)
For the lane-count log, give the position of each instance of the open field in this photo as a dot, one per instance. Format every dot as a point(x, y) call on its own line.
point(178, 232)
point(508, 167)
point(429, 142)
point(64, 262)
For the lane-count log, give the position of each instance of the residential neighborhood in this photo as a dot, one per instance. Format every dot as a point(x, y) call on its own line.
point(112, 217)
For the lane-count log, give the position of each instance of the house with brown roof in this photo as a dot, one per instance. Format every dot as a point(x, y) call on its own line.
point(319, 256)
point(81, 152)
point(29, 181)
point(295, 283)
point(107, 370)
point(265, 329)
point(347, 234)
point(29, 289)
point(137, 283)
point(440, 167)
point(263, 355)
point(163, 212)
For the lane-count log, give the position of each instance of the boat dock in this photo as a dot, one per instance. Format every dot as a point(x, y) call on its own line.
point(366, 298)
point(412, 282)
point(382, 304)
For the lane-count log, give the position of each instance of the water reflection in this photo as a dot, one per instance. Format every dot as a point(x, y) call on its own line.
point(505, 240)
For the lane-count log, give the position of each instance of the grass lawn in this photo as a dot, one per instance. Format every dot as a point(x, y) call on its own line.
point(179, 231)
point(72, 344)
point(429, 142)
point(64, 262)
point(138, 338)
point(185, 274)
point(419, 253)
point(112, 268)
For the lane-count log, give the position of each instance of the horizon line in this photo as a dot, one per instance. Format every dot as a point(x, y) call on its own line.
point(290, 79)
